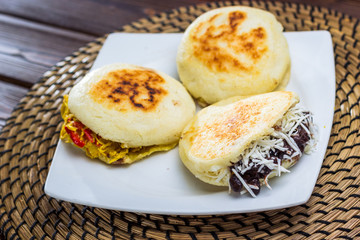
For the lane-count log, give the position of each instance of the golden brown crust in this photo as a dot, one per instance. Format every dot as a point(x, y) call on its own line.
point(233, 51)
point(218, 134)
point(133, 105)
point(224, 128)
point(127, 89)
point(208, 39)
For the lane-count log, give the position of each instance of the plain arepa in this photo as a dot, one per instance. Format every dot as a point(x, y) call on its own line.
point(233, 51)
point(245, 134)
point(133, 106)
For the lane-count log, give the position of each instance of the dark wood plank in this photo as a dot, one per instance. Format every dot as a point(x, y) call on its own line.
point(10, 96)
point(91, 16)
point(28, 49)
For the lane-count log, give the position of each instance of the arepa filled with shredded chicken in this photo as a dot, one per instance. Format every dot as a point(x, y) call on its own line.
point(121, 113)
point(242, 143)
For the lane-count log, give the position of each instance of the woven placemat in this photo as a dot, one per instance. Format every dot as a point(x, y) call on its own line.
point(28, 142)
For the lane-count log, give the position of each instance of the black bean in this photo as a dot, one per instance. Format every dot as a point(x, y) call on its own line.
point(264, 172)
point(256, 183)
point(235, 183)
point(301, 138)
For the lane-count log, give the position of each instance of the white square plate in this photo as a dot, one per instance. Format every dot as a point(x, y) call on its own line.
point(160, 183)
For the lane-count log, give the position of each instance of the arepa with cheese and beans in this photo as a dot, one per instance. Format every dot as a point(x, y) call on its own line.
point(242, 143)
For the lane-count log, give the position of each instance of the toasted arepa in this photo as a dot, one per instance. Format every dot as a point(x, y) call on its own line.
point(233, 51)
point(217, 137)
point(131, 105)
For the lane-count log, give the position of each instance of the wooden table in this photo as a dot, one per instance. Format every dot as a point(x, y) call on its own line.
point(36, 34)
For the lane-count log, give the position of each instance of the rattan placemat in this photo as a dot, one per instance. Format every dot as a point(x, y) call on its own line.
point(28, 142)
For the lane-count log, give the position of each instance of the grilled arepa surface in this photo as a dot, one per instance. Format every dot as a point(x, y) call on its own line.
point(121, 113)
point(233, 51)
point(133, 105)
point(215, 138)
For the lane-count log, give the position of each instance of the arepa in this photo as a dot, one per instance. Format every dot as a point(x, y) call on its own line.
point(243, 143)
point(121, 113)
point(233, 51)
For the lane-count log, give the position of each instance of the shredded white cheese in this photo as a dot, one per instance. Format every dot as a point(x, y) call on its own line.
point(244, 183)
point(258, 152)
point(289, 140)
point(266, 182)
point(222, 174)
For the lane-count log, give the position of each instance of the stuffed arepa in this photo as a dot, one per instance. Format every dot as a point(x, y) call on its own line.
point(242, 143)
point(233, 51)
point(121, 113)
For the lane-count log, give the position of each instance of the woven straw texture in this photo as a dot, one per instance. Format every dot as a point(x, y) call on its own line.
point(28, 142)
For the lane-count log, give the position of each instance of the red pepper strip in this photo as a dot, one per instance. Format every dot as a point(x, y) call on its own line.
point(75, 138)
point(88, 135)
point(78, 125)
